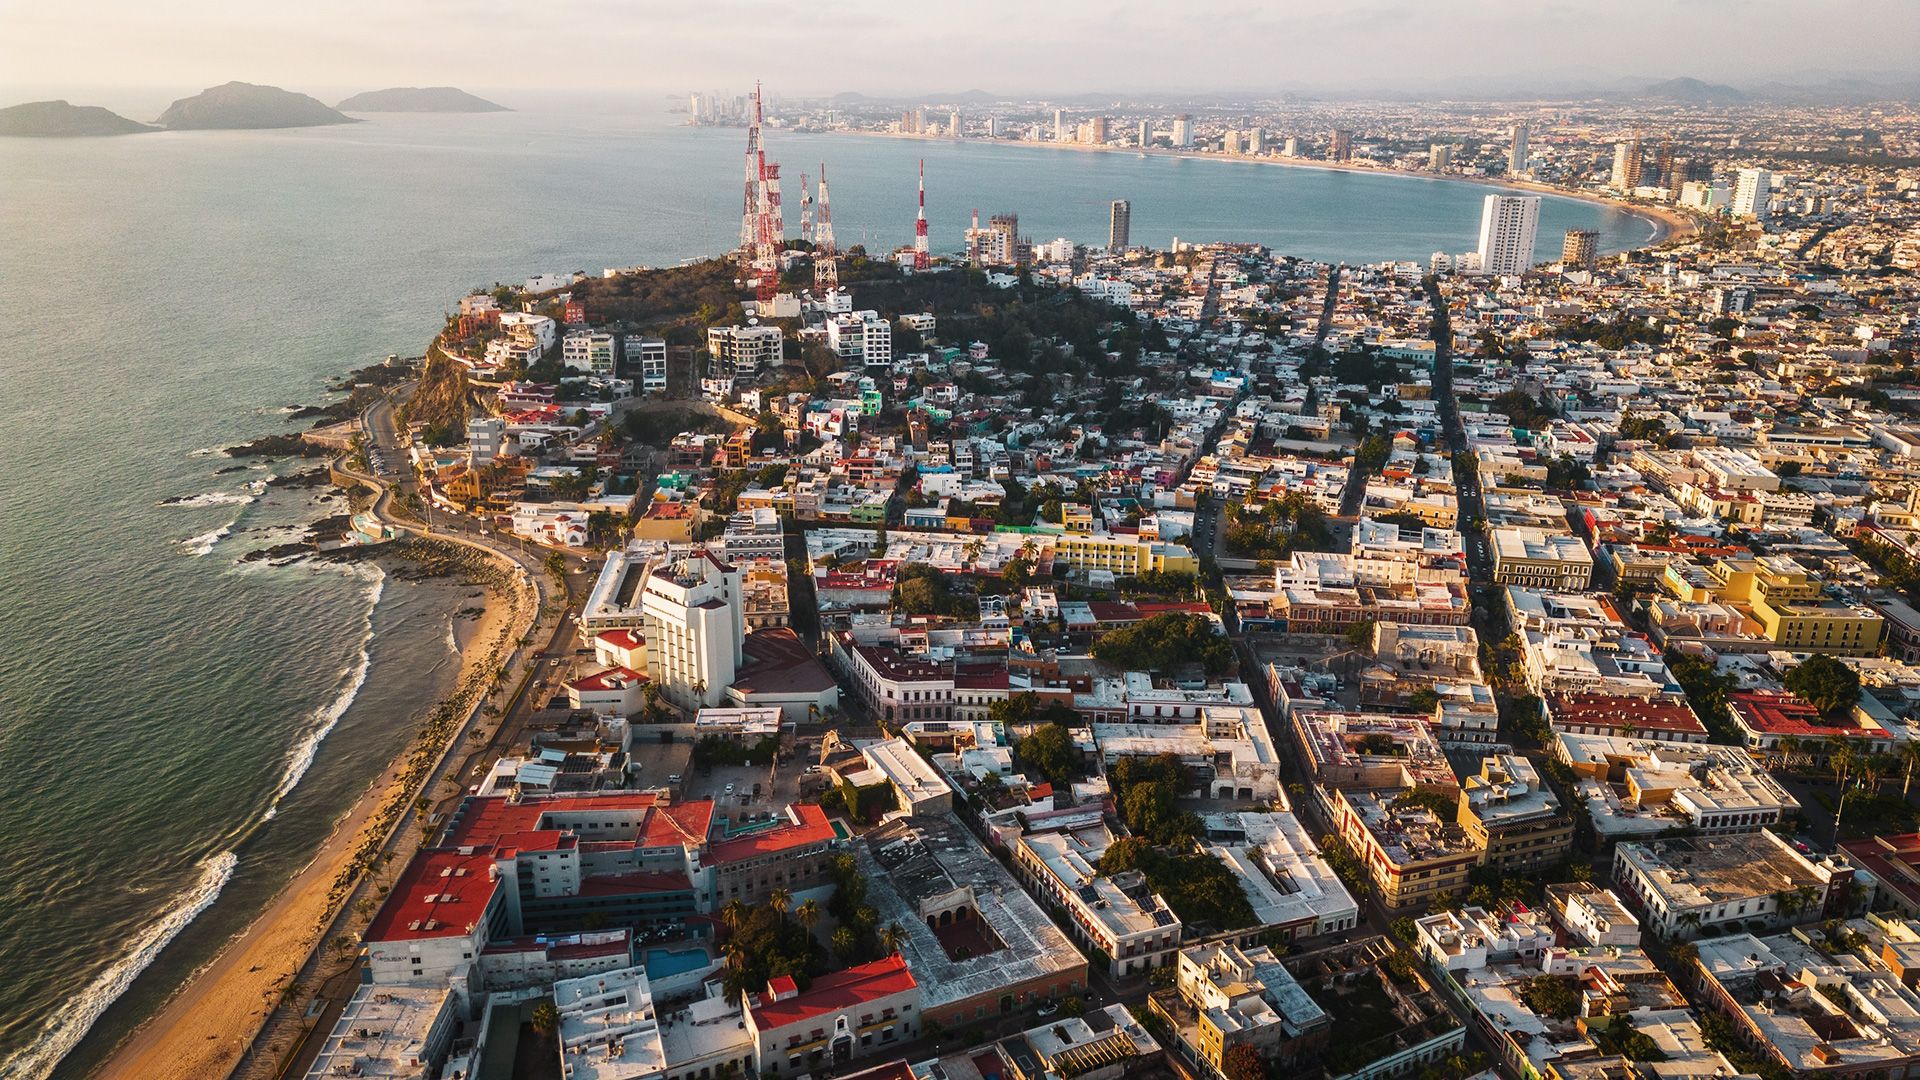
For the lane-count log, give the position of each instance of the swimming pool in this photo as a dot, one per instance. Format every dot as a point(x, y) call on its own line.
point(666, 963)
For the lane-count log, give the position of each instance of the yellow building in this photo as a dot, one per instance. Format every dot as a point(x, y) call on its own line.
point(1792, 609)
point(668, 521)
point(1512, 816)
point(1123, 556)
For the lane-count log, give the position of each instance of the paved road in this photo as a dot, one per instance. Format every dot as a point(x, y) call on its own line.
point(392, 477)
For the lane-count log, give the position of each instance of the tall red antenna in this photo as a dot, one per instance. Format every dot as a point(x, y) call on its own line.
point(826, 266)
point(922, 256)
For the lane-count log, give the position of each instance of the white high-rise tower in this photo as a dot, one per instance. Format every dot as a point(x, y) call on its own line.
point(1752, 188)
point(1508, 224)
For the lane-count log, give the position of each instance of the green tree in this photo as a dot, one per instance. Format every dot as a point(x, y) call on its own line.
point(545, 1019)
point(1825, 683)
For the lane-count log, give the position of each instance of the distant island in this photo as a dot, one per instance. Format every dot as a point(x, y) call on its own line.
point(239, 105)
point(58, 119)
point(419, 99)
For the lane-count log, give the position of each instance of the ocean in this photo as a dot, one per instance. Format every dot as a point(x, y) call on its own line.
point(179, 729)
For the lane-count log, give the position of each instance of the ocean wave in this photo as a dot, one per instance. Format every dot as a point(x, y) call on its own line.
point(72, 1023)
point(300, 758)
point(213, 498)
point(258, 487)
point(205, 451)
point(198, 546)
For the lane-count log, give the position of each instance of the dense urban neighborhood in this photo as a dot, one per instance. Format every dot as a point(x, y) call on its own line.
point(1051, 660)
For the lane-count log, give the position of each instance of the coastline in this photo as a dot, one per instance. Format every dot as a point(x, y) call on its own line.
point(1669, 224)
point(232, 1013)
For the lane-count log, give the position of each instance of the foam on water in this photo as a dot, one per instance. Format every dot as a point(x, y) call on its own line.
point(300, 758)
point(70, 1025)
point(198, 546)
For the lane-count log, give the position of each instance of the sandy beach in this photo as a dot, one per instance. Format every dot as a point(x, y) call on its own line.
point(204, 1030)
point(1668, 222)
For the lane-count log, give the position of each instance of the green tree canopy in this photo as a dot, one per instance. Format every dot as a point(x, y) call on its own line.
point(1825, 683)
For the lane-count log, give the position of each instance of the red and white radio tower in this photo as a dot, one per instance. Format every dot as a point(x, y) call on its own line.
point(762, 231)
point(826, 267)
point(806, 210)
point(750, 205)
point(922, 256)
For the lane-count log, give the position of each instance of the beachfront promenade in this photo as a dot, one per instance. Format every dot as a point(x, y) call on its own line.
point(250, 1012)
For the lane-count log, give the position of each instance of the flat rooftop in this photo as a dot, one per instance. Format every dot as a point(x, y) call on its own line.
point(911, 860)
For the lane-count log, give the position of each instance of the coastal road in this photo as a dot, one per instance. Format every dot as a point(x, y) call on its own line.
point(391, 476)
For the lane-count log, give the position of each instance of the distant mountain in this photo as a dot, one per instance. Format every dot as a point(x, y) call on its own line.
point(50, 119)
point(239, 105)
point(1689, 91)
point(419, 99)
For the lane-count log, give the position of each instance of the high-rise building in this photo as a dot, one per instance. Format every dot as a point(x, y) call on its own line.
point(694, 618)
point(1679, 171)
point(1182, 130)
point(1508, 224)
point(1119, 225)
point(1580, 249)
point(1292, 147)
point(1517, 150)
point(1000, 241)
point(993, 127)
point(742, 352)
point(1097, 131)
point(1230, 141)
point(1146, 133)
point(953, 124)
point(1626, 166)
point(1341, 149)
point(1059, 125)
point(1439, 157)
point(1752, 188)
point(1257, 141)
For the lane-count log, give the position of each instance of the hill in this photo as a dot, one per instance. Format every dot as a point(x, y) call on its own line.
point(1693, 92)
point(239, 105)
point(419, 99)
point(54, 119)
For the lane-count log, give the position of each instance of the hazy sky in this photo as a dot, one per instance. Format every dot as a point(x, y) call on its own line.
point(332, 47)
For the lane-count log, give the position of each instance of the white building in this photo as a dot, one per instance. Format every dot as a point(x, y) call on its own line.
point(608, 1030)
point(862, 336)
point(1752, 189)
point(741, 352)
point(1689, 884)
point(1508, 224)
point(390, 1031)
point(918, 787)
point(647, 361)
point(590, 351)
point(1536, 557)
point(1121, 915)
point(694, 619)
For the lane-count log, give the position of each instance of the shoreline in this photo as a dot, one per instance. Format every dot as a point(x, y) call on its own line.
point(1669, 224)
point(222, 1017)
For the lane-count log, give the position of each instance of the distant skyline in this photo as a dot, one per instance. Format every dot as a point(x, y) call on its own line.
point(1347, 47)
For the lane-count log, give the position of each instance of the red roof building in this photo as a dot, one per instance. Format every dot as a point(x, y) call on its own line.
point(843, 1015)
point(1665, 718)
point(1765, 717)
point(1892, 863)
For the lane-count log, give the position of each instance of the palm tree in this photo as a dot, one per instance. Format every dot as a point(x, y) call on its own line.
point(779, 900)
point(1909, 755)
point(545, 1019)
point(891, 936)
point(1846, 762)
point(734, 914)
point(1789, 749)
point(808, 913)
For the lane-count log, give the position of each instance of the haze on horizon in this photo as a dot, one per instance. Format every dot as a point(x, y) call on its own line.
point(1062, 47)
